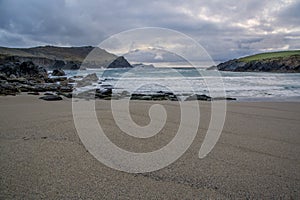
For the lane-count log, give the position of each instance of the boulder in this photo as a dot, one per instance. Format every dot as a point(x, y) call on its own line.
point(58, 72)
point(29, 69)
point(120, 62)
point(51, 98)
point(103, 92)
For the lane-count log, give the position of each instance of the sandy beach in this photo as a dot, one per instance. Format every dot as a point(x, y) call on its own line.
point(256, 157)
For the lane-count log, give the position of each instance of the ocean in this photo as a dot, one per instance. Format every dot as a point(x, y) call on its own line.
point(245, 86)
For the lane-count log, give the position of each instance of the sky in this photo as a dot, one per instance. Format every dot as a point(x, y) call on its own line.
point(225, 29)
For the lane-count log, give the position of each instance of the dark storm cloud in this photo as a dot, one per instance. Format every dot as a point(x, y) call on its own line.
point(226, 29)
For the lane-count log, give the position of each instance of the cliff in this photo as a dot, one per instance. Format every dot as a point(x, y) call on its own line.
point(281, 62)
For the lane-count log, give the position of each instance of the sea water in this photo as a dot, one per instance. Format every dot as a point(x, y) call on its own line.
point(240, 85)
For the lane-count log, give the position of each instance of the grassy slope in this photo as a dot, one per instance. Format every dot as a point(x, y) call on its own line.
point(64, 53)
point(269, 55)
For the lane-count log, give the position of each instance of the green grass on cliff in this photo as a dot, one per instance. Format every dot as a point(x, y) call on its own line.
point(59, 53)
point(269, 55)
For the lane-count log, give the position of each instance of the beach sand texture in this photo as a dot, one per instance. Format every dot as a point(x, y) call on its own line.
point(257, 155)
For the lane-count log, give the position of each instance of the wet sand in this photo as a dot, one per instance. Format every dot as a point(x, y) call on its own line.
point(257, 155)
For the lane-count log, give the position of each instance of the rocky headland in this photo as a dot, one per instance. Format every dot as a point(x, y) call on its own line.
point(280, 62)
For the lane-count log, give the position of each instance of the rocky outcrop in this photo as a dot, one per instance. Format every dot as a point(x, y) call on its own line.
point(203, 97)
point(159, 96)
point(143, 66)
point(16, 77)
point(120, 62)
point(287, 64)
point(25, 69)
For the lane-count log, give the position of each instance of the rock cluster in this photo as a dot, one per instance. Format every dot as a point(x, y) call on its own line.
point(159, 96)
point(16, 77)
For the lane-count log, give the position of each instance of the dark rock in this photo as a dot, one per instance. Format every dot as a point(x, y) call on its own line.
point(58, 72)
point(77, 76)
point(59, 64)
point(26, 138)
point(72, 65)
point(8, 89)
point(120, 62)
point(103, 93)
point(159, 96)
point(141, 65)
point(51, 98)
point(199, 97)
point(224, 98)
point(28, 69)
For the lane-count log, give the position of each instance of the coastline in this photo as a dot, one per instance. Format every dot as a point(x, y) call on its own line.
point(257, 155)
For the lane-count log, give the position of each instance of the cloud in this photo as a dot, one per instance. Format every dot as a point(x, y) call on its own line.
point(226, 29)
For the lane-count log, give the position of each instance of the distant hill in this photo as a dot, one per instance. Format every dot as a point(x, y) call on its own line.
point(58, 57)
point(283, 61)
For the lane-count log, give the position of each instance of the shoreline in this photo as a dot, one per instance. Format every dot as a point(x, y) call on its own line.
point(295, 99)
